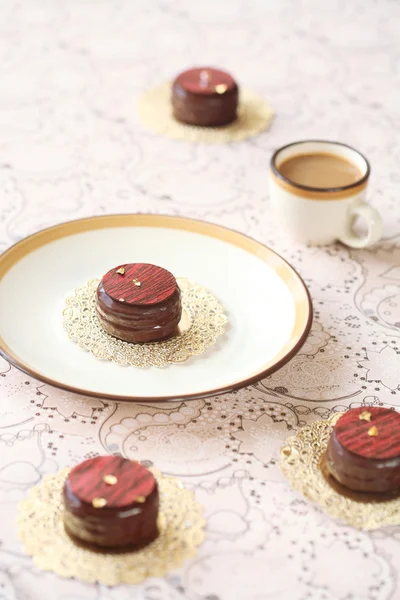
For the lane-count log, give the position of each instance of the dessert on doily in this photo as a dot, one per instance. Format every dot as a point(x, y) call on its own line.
point(363, 452)
point(110, 520)
point(349, 465)
point(140, 315)
point(139, 302)
point(204, 105)
point(111, 502)
point(205, 97)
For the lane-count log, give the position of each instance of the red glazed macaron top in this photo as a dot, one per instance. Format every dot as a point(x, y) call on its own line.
point(139, 283)
point(370, 432)
point(129, 481)
point(204, 80)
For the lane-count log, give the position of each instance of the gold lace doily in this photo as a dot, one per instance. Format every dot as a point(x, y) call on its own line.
point(155, 112)
point(300, 461)
point(204, 323)
point(41, 530)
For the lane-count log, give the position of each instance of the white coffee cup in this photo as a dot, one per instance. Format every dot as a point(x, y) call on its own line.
point(320, 216)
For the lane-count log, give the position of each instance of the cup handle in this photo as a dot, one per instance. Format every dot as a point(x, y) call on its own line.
point(374, 222)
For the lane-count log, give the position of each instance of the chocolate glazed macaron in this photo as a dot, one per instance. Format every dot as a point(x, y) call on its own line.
point(363, 452)
point(111, 502)
point(206, 97)
point(139, 302)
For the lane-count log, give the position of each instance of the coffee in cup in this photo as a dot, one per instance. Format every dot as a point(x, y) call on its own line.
point(317, 192)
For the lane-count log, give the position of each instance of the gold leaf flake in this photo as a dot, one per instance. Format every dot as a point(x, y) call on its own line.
point(373, 432)
point(110, 479)
point(120, 271)
point(365, 415)
point(140, 499)
point(221, 88)
point(136, 282)
point(99, 502)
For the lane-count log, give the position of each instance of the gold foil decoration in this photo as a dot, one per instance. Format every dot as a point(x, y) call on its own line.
point(110, 479)
point(41, 530)
point(300, 461)
point(221, 88)
point(121, 299)
point(373, 432)
point(155, 112)
point(365, 415)
point(136, 282)
point(140, 499)
point(120, 271)
point(99, 502)
point(203, 322)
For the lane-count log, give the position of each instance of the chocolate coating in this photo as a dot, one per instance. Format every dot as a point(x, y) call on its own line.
point(136, 313)
point(129, 516)
point(196, 101)
point(362, 462)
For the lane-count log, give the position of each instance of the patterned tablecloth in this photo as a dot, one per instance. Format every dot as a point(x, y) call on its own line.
point(71, 146)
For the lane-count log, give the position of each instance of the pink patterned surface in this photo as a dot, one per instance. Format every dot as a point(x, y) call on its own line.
point(71, 146)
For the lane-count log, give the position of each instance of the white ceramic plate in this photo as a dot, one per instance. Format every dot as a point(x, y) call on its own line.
point(268, 306)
